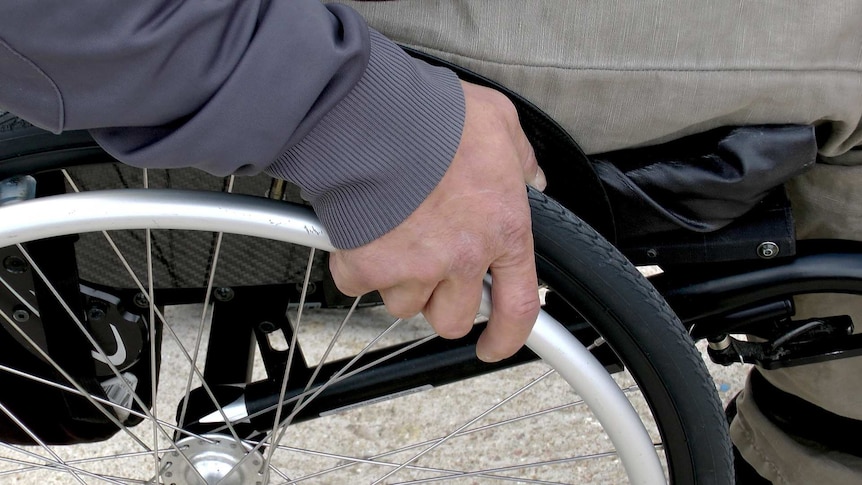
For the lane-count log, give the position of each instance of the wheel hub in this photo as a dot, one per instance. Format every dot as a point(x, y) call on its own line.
point(218, 460)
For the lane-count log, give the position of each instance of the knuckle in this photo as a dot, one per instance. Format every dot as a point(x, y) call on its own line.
point(470, 260)
point(516, 229)
point(404, 301)
point(511, 113)
point(503, 104)
point(354, 274)
point(342, 277)
point(427, 273)
point(525, 308)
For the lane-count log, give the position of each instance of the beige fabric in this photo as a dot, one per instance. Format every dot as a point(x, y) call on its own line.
point(638, 72)
point(784, 461)
point(827, 202)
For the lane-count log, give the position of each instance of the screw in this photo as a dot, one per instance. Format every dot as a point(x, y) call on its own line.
point(267, 327)
point(223, 293)
point(15, 265)
point(96, 312)
point(652, 253)
point(767, 250)
point(21, 315)
point(312, 287)
point(140, 300)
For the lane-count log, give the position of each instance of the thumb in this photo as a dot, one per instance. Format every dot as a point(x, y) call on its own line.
point(533, 174)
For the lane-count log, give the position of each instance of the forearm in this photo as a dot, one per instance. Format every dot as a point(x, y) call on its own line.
point(365, 131)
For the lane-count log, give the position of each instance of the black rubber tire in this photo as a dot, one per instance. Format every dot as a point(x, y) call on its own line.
point(591, 275)
point(583, 269)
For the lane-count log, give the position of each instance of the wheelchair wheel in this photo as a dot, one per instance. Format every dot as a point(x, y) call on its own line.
point(362, 398)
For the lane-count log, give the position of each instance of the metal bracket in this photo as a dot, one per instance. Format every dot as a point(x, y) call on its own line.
point(794, 343)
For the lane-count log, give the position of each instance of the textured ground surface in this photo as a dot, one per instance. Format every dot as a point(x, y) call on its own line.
point(373, 428)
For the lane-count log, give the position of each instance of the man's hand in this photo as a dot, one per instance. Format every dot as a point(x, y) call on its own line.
point(476, 219)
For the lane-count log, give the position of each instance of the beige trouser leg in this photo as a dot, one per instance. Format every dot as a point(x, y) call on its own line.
point(638, 72)
point(827, 204)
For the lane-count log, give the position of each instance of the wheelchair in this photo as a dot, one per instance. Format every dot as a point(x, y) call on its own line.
point(279, 378)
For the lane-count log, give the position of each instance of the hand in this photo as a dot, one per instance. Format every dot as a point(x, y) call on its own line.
point(476, 219)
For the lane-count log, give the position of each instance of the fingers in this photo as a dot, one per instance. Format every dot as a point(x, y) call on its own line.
point(348, 281)
point(515, 305)
point(453, 306)
point(406, 300)
point(405, 288)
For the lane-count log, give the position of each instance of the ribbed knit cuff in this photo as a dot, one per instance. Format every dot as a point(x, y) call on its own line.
point(369, 163)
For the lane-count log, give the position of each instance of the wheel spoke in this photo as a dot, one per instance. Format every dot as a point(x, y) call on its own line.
point(152, 329)
point(59, 461)
point(299, 402)
point(27, 466)
point(20, 298)
point(464, 426)
point(328, 350)
point(199, 338)
point(445, 473)
point(342, 373)
point(490, 472)
point(430, 444)
point(276, 434)
point(465, 432)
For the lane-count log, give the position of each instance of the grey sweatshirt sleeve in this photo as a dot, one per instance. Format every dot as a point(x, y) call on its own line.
point(300, 90)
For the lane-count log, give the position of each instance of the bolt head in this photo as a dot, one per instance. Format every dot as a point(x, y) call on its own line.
point(767, 250)
point(95, 313)
point(21, 315)
point(140, 300)
point(15, 265)
point(223, 293)
point(312, 287)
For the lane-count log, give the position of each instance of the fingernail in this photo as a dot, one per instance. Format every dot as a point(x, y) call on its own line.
point(485, 357)
point(539, 181)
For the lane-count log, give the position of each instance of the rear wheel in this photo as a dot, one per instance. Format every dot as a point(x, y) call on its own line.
point(364, 395)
